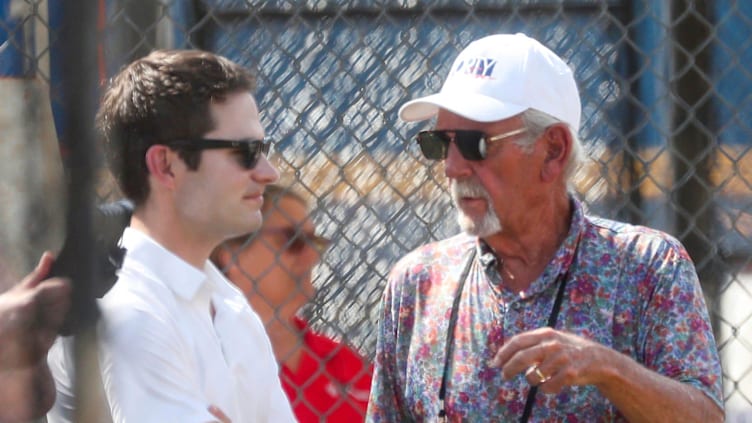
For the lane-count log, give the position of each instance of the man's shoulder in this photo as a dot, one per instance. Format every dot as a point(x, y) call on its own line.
point(435, 259)
point(137, 302)
point(135, 287)
point(626, 237)
point(449, 249)
point(627, 231)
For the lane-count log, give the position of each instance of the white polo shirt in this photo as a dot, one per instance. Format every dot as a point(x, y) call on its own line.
point(163, 358)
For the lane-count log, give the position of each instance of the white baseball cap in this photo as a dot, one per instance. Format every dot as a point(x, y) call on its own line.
point(500, 76)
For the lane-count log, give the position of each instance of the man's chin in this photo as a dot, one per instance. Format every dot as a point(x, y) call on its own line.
point(469, 227)
point(253, 223)
point(479, 227)
point(243, 228)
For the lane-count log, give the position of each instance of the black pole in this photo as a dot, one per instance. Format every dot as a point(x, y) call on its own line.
point(77, 44)
point(78, 81)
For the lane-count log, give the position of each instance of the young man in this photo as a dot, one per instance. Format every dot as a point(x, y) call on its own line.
point(185, 144)
point(607, 320)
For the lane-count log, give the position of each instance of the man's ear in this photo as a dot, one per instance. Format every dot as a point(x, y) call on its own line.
point(558, 146)
point(159, 160)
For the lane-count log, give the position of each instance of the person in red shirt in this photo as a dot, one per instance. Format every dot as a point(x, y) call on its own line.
point(324, 379)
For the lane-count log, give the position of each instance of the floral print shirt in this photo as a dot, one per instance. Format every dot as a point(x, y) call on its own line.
point(628, 287)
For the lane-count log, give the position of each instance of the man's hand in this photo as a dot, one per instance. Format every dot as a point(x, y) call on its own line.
point(216, 412)
point(553, 359)
point(30, 315)
point(26, 393)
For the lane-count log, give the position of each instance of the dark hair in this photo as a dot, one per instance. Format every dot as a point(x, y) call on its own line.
point(162, 97)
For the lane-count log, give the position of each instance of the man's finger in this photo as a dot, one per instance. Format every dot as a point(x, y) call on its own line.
point(40, 271)
point(53, 296)
point(520, 342)
point(53, 300)
point(523, 360)
point(216, 412)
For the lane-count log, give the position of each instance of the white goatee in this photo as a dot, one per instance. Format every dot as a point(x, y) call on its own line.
point(489, 223)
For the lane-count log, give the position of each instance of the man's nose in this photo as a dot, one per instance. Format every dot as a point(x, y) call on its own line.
point(456, 166)
point(265, 172)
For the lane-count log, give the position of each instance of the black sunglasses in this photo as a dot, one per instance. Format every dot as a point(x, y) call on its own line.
point(296, 240)
point(249, 150)
point(471, 144)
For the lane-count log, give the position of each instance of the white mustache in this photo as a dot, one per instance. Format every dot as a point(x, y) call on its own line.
point(488, 224)
point(467, 188)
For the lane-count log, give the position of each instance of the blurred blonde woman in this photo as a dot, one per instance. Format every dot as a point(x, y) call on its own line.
point(324, 379)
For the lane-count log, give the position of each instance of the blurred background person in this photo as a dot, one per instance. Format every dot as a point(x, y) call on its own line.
point(324, 379)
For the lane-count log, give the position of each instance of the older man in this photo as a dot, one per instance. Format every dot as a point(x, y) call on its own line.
point(605, 319)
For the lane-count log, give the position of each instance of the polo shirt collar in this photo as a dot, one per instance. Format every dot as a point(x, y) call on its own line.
point(558, 266)
point(563, 260)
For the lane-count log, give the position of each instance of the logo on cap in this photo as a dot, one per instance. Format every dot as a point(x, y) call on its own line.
point(478, 67)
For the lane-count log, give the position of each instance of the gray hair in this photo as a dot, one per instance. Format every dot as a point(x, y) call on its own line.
point(536, 123)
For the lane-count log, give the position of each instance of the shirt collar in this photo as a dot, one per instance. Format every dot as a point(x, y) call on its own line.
point(561, 261)
point(486, 255)
point(149, 256)
point(565, 255)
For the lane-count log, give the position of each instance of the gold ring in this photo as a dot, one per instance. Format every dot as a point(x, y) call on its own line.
point(541, 377)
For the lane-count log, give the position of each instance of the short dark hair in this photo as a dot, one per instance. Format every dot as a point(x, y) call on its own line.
point(162, 97)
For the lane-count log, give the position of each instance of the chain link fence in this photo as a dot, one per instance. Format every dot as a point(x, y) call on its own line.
point(665, 88)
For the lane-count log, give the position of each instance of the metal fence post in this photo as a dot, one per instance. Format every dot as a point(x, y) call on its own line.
point(693, 142)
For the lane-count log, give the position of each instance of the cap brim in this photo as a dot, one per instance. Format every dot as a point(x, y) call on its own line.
point(471, 106)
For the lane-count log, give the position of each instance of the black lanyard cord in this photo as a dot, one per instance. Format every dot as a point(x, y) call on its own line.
point(552, 318)
point(450, 333)
point(551, 323)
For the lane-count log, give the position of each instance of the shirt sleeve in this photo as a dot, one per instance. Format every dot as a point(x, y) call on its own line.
point(146, 374)
point(280, 409)
point(675, 327)
point(385, 403)
point(60, 359)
